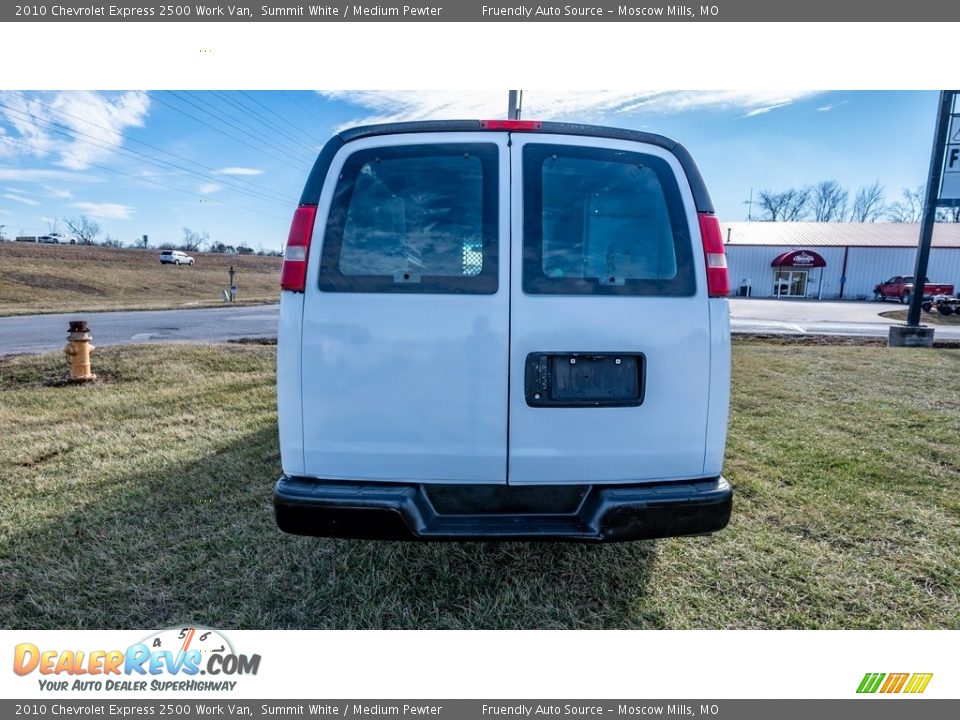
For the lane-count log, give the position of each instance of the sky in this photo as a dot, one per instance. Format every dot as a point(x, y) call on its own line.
point(232, 164)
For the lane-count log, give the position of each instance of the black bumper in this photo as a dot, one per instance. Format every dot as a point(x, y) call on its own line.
point(585, 513)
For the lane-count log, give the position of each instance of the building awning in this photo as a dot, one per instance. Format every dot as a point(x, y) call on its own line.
point(799, 259)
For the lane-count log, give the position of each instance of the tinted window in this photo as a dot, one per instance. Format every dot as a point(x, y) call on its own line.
point(599, 221)
point(417, 219)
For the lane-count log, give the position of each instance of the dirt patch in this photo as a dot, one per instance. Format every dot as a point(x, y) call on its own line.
point(930, 318)
point(254, 341)
point(771, 339)
point(52, 282)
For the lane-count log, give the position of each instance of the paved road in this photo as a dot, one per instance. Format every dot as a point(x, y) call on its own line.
point(798, 317)
point(38, 333)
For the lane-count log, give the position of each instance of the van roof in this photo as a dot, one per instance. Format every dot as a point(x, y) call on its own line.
point(311, 192)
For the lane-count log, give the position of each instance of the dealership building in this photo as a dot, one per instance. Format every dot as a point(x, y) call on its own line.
point(832, 260)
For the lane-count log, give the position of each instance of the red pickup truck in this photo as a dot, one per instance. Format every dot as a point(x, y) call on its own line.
point(900, 287)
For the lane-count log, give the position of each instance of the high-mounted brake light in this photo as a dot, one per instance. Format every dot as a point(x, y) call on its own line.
point(718, 278)
point(293, 275)
point(519, 125)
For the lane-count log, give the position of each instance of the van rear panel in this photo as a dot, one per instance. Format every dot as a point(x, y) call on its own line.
point(513, 310)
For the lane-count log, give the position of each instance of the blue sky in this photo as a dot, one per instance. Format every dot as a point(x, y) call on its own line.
point(232, 164)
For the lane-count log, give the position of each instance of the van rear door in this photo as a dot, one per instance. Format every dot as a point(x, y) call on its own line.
point(609, 324)
point(404, 341)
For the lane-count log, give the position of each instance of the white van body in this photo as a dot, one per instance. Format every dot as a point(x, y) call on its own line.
point(503, 329)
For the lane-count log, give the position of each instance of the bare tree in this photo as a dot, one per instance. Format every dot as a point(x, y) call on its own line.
point(868, 205)
point(84, 228)
point(192, 239)
point(788, 205)
point(909, 208)
point(829, 201)
point(53, 225)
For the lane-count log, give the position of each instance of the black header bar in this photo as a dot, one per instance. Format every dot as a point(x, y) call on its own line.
point(852, 11)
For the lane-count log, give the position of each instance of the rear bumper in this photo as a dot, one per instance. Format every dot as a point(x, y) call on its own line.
point(585, 513)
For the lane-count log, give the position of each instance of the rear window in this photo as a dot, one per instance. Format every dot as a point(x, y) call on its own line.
point(414, 219)
point(605, 222)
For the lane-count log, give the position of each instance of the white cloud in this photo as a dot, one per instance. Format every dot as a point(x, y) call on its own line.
point(209, 188)
point(80, 127)
point(110, 211)
point(593, 106)
point(831, 106)
point(20, 199)
point(41, 175)
point(240, 171)
point(61, 193)
point(765, 109)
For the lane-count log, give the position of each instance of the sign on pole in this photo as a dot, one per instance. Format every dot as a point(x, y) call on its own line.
point(950, 186)
point(940, 191)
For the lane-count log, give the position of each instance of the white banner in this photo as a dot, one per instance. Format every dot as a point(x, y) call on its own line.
point(471, 664)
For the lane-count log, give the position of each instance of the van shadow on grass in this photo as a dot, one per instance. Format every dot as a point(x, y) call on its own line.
point(197, 543)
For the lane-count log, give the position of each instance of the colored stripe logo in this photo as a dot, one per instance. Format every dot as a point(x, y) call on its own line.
point(913, 683)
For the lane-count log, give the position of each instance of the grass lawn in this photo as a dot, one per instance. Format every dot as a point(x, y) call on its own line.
point(926, 318)
point(144, 501)
point(38, 278)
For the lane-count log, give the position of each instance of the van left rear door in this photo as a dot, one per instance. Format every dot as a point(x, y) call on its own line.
point(405, 341)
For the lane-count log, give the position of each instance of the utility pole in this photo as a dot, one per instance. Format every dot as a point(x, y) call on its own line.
point(514, 104)
point(233, 288)
point(913, 334)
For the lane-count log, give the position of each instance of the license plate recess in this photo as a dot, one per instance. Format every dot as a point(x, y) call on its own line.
point(578, 379)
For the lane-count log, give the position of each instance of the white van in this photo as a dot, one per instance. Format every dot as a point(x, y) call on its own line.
point(503, 329)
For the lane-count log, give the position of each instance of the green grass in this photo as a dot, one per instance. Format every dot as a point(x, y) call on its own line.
point(144, 501)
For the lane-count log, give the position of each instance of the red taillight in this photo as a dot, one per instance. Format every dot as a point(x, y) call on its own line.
point(718, 279)
point(293, 275)
point(510, 125)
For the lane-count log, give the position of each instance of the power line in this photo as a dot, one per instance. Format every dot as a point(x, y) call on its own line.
point(296, 144)
point(156, 162)
point(224, 133)
point(312, 140)
point(256, 137)
point(217, 173)
point(165, 185)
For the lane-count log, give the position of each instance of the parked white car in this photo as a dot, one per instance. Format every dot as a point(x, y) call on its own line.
point(57, 239)
point(503, 329)
point(175, 257)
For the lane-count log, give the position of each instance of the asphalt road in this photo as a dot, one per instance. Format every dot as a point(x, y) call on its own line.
point(39, 333)
point(800, 317)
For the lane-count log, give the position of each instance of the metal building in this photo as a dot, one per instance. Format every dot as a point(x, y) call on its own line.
point(832, 260)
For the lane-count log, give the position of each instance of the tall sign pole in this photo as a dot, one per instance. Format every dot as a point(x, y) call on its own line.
point(943, 188)
point(513, 105)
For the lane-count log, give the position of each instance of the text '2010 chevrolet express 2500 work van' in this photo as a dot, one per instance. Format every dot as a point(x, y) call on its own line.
point(503, 329)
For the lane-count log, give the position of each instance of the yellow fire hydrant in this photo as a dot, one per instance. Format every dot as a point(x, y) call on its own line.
point(78, 351)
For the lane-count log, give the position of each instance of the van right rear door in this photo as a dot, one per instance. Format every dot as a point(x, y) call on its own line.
point(609, 318)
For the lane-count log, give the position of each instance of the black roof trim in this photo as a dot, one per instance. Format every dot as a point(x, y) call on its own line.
point(311, 193)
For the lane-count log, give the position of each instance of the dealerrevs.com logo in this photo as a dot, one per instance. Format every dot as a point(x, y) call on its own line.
point(168, 660)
